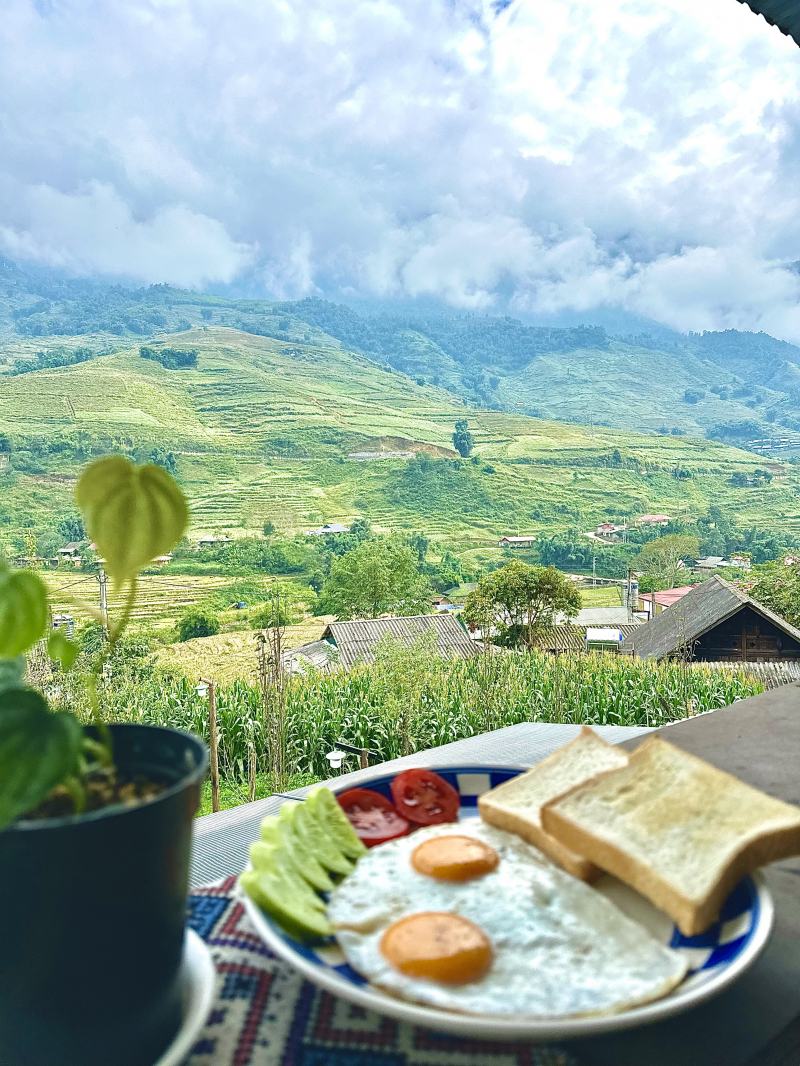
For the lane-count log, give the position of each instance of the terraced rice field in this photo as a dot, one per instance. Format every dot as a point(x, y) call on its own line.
point(262, 429)
point(162, 598)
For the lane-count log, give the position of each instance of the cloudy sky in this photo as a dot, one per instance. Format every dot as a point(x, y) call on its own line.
point(538, 155)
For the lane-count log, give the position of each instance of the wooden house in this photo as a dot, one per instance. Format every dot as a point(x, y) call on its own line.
point(716, 622)
point(70, 554)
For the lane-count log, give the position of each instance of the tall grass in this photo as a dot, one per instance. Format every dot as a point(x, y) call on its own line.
point(410, 699)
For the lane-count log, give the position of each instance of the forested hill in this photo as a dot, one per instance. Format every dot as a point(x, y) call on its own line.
point(301, 433)
point(738, 387)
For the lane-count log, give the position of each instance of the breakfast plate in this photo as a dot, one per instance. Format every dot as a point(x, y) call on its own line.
point(715, 958)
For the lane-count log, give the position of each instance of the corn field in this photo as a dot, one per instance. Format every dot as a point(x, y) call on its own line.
point(411, 699)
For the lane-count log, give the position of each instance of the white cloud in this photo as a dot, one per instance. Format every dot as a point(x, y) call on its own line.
point(560, 155)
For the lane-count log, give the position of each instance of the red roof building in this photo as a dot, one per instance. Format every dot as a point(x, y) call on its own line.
point(661, 600)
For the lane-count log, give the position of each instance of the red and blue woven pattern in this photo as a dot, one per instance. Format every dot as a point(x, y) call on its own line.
point(265, 1014)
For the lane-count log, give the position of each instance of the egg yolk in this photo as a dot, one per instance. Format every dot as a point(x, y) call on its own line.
point(454, 858)
point(439, 946)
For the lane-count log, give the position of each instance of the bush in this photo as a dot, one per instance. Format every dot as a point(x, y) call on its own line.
point(170, 358)
point(197, 622)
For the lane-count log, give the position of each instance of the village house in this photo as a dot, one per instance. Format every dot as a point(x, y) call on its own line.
point(327, 530)
point(609, 531)
point(653, 603)
point(210, 540)
point(653, 520)
point(716, 622)
point(517, 542)
point(570, 638)
point(70, 554)
point(719, 562)
point(346, 644)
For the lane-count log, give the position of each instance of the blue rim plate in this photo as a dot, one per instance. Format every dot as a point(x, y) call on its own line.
point(716, 958)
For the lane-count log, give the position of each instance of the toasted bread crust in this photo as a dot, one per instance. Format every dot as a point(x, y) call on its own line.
point(692, 916)
point(569, 860)
point(493, 811)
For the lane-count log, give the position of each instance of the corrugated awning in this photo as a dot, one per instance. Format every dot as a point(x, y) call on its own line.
point(785, 14)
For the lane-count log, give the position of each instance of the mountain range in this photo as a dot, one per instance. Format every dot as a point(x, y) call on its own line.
point(306, 412)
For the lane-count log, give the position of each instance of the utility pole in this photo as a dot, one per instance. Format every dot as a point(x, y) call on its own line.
point(209, 688)
point(102, 579)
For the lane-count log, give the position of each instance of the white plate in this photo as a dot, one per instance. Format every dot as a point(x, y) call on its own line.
point(199, 979)
point(716, 958)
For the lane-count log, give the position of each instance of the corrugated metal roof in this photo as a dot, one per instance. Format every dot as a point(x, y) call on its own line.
point(602, 616)
point(570, 637)
point(320, 654)
point(773, 674)
point(785, 14)
point(700, 610)
point(356, 641)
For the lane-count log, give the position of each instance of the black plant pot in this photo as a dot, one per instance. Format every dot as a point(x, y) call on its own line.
point(92, 913)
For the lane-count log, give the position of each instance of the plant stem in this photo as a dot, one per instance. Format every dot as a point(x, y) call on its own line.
point(74, 786)
point(125, 617)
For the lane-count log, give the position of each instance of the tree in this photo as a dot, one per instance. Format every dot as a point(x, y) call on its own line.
point(418, 543)
point(778, 586)
point(462, 438)
point(197, 622)
point(663, 558)
point(519, 600)
point(284, 606)
point(268, 528)
point(378, 577)
point(70, 527)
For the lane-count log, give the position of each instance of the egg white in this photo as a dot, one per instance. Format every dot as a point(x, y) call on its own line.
point(560, 947)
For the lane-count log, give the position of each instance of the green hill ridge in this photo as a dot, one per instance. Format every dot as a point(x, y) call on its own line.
point(302, 432)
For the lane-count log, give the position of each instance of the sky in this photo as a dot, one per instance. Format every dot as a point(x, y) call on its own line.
point(533, 157)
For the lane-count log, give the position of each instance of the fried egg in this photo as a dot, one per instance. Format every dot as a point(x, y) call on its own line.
point(470, 918)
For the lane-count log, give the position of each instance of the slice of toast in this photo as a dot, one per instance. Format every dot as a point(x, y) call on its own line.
point(675, 828)
point(515, 805)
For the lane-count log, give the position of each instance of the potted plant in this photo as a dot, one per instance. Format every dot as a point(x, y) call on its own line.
point(95, 818)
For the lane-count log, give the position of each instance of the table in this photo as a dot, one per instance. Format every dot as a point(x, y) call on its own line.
point(755, 1022)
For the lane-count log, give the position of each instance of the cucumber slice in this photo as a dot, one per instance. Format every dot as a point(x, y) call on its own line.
point(278, 853)
point(275, 830)
point(278, 895)
point(313, 838)
point(325, 806)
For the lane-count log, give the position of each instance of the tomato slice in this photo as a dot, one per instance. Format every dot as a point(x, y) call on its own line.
point(372, 816)
point(424, 797)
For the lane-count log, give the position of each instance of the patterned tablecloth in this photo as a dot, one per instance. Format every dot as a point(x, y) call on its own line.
point(267, 1015)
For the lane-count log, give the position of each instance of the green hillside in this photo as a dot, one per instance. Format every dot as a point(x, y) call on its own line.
point(739, 387)
point(642, 388)
point(302, 433)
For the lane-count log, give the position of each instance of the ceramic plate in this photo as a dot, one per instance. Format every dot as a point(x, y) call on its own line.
point(199, 978)
point(716, 958)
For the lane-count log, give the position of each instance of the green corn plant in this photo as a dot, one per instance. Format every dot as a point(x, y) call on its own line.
point(407, 700)
point(133, 514)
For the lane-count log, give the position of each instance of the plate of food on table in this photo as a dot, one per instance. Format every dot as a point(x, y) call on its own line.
point(597, 890)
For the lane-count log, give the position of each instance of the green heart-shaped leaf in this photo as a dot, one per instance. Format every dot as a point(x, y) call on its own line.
point(132, 513)
point(12, 673)
point(38, 750)
point(62, 650)
point(23, 611)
